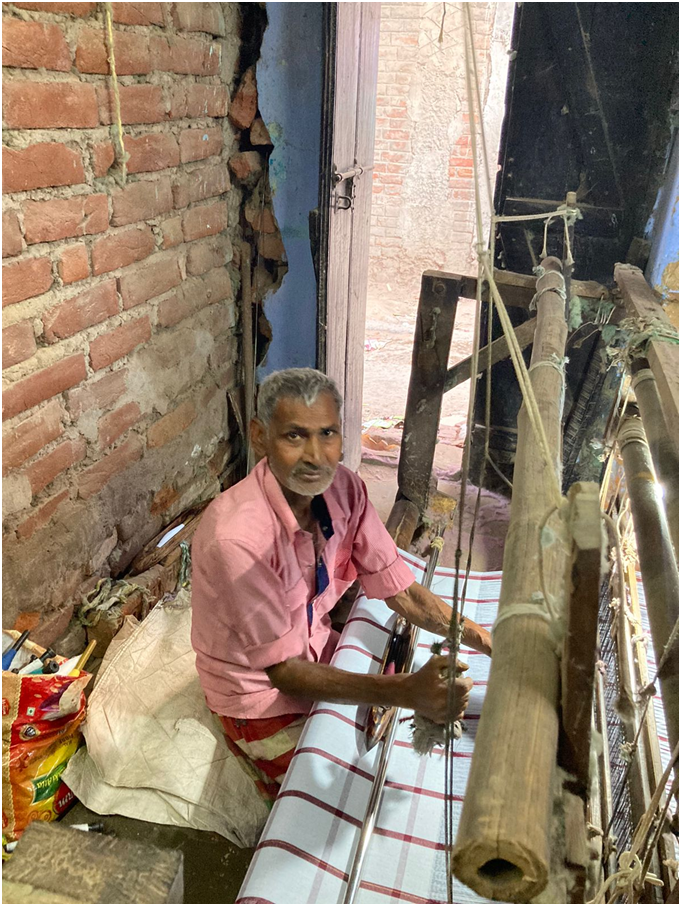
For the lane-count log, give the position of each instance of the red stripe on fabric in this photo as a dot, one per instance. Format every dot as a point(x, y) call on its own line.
point(346, 720)
point(438, 750)
point(367, 620)
point(409, 838)
point(256, 729)
point(311, 750)
point(307, 857)
point(419, 790)
point(325, 806)
point(361, 651)
point(394, 893)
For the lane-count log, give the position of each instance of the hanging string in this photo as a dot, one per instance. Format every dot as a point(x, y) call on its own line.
point(121, 154)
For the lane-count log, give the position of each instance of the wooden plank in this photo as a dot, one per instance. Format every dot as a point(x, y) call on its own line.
point(461, 372)
point(403, 522)
point(360, 228)
point(340, 221)
point(641, 302)
point(579, 658)
point(518, 290)
point(94, 868)
point(432, 342)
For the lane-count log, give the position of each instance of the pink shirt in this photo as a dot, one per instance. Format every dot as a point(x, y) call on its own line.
point(254, 573)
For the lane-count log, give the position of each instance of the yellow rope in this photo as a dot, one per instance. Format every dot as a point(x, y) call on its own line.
point(117, 132)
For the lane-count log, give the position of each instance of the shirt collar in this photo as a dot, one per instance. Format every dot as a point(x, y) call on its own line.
point(323, 504)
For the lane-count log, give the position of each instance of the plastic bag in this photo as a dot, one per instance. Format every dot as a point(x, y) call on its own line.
point(41, 717)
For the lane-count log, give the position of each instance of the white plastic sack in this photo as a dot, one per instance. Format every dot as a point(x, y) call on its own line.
point(154, 750)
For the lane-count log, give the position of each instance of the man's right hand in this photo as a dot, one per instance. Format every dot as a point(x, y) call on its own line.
point(428, 690)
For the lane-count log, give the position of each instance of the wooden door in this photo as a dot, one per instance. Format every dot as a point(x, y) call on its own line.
point(354, 115)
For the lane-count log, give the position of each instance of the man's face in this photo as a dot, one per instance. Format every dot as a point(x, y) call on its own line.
point(303, 444)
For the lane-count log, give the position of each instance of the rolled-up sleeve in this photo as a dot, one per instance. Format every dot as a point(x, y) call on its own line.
point(253, 611)
point(380, 569)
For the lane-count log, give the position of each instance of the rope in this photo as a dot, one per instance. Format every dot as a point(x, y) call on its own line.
point(117, 135)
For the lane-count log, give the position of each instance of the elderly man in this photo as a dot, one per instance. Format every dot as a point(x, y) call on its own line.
point(272, 556)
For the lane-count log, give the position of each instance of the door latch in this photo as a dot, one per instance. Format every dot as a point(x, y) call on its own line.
point(345, 202)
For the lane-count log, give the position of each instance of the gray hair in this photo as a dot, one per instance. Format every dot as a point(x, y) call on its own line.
point(299, 383)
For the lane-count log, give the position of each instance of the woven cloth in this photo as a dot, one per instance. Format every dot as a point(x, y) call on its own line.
point(305, 852)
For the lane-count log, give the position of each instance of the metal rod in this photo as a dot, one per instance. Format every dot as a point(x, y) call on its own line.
point(386, 744)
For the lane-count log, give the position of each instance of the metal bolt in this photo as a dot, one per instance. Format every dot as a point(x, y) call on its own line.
point(438, 288)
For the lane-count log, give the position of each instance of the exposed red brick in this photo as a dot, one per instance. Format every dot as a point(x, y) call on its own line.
point(117, 422)
point(164, 498)
point(172, 232)
point(91, 307)
point(204, 255)
point(204, 221)
point(139, 104)
point(74, 264)
point(130, 48)
point(11, 234)
point(150, 280)
point(261, 219)
point(171, 425)
point(118, 342)
point(103, 157)
point(99, 394)
point(206, 182)
point(43, 385)
point(121, 249)
point(198, 100)
point(154, 151)
point(40, 165)
point(138, 13)
point(70, 9)
point(185, 56)
point(30, 436)
point(142, 201)
point(18, 343)
point(195, 294)
point(270, 246)
point(259, 134)
point(25, 279)
point(40, 518)
point(45, 470)
point(246, 165)
point(94, 478)
point(195, 144)
point(198, 17)
point(62, 218)
point(49, 105)
point(34, 45)
point(244, 104)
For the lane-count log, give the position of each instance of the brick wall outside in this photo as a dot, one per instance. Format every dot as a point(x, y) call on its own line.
point(423, 213)
point(119, 300)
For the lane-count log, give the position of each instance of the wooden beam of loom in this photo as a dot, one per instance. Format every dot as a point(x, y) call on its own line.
point(461, 372)
point(642, 303)
point(502, 848)
point(518, 290)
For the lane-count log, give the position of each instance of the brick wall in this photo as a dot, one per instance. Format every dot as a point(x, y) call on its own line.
point(120, 298)
point(423, 195)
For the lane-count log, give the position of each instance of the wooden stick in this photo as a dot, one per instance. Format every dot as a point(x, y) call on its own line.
point(579, 655)
point(461, 372)
point(432, 342)
point(656, 557)
point(642, 303)
point(663, 450)
point(502, 847)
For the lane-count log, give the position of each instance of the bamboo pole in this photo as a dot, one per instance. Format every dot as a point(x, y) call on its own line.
point(502, 849)
point(664, 452)
point(657, 561)
point(247, 345)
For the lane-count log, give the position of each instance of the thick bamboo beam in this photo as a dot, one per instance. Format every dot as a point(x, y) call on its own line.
point(518, 290)
point(663, 450)
point(461, 372)
point(657, 561)
point(432, 341)
point(502, 846)
point(642, 304)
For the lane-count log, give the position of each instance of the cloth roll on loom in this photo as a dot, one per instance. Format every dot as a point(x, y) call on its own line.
point(502, 849)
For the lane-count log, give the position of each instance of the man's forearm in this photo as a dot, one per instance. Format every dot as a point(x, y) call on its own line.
point(317, 682)
point(425, 609)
